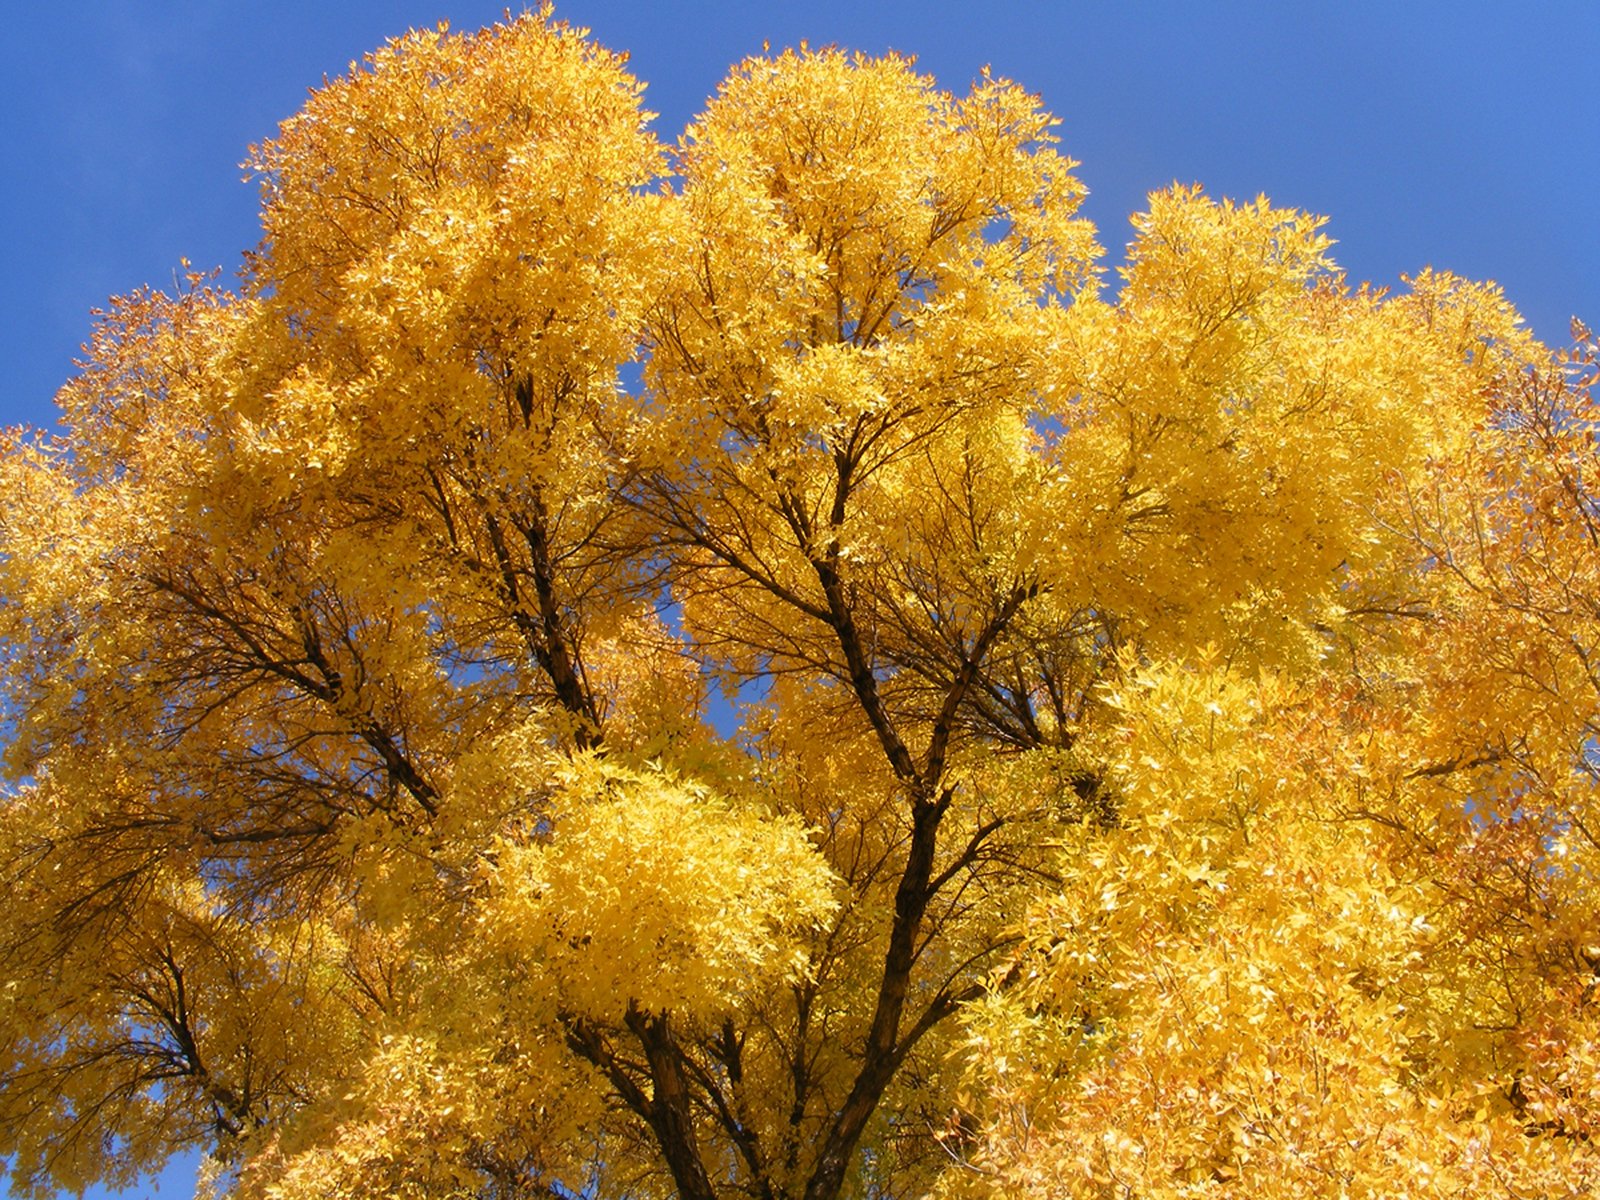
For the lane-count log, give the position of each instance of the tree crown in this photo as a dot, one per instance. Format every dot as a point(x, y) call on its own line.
point(1164, 761)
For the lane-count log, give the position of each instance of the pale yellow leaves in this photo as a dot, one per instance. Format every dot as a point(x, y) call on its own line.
point(650, 893)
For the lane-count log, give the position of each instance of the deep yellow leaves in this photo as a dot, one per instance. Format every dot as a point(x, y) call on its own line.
point(648, 892)
point(1165, 756)
point(1271, 979)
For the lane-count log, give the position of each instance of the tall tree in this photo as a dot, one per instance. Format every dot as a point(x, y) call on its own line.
point(1167, 763)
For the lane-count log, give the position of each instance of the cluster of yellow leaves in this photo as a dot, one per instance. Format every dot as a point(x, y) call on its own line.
point(1292, 969)
point(651, 892)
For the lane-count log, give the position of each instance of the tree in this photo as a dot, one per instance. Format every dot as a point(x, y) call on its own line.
point(1167, 765)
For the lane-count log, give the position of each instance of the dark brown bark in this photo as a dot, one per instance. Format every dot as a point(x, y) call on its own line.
point(666, 1107)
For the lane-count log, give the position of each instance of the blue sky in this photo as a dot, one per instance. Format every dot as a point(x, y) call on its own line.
point(1464, 136)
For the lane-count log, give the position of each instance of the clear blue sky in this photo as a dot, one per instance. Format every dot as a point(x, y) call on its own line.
point(1460, 135)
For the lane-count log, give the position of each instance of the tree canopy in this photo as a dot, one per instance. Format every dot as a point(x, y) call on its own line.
point(1165, 761)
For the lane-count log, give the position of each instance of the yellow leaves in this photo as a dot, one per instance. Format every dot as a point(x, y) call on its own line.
point(844, 201)
point(827, 390)
point(1218, 264)
point(149, 378)
point(297, 453)
point(1272, 995)
point(457, 219)
point(839, 143)
point(652, 893)
point(1233, 430)
point(411, 1120)
point(169, 1007)
point(449, 133)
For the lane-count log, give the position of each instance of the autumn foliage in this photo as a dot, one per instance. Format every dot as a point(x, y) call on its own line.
point(1165, 759)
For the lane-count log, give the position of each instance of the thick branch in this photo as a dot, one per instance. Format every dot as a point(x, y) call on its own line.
point(557, 658)
point(670, 1116)
point(862, 680)
point(884, 1051)
point(879, 1057)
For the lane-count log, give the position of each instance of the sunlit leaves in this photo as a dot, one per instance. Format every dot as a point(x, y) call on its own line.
point(649, 892)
